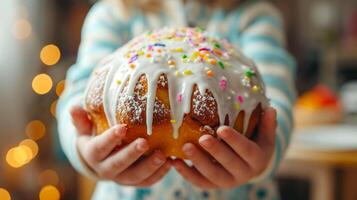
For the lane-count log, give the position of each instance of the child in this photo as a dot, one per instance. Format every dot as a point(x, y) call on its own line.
point(243, 168)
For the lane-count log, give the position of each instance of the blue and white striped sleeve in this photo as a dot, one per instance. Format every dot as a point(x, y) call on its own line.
point(100, 37)
point(263, 40)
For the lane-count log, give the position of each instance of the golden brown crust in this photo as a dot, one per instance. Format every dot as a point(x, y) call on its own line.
point(131, 110)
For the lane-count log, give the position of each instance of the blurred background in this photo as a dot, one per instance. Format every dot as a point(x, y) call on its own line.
point(39, 41)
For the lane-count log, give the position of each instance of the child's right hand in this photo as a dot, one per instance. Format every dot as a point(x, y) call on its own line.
point(121, 166)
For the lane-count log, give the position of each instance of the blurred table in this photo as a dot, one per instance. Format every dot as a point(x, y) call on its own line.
point(317, 153)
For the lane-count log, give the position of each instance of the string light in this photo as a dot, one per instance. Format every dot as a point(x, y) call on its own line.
point(21, 29)
point(60, 87)
point(49, 192)
point(42, 84)
point(50, 54)
point(4, 194)
point(35, 130)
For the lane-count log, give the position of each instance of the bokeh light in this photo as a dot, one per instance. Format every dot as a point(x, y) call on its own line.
point(18, 156)
point(42, 84)
point(50, 54)
point(49, 192)
point(32, 145)
point(22, 154)
point(35, 130)
point(53, 108)
point(48, 177)
point(21, 29)
point(60, 87)
point(10, 159)
point(4, 194)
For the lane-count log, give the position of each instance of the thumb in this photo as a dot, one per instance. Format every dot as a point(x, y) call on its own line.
point(81, 120)
point(267, 129)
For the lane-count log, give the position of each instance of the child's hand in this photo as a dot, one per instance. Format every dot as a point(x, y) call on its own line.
point(121, 166)
point(236, 159)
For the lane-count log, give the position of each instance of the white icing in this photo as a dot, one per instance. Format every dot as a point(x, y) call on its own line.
point(226, 83)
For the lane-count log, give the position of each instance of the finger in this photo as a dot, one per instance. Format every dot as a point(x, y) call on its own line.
point(142, 169)
point(157, 176)
point(124, 158)
point(192, 175)
point(204, 164)
point(226, 157)
point(248, 150)
point(267, 129)
point(81, 120)
point(102, 145)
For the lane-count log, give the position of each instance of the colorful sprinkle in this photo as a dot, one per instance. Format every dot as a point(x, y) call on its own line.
point(240, 99)
point(148, 55)
point(171, 62)
point(210, 73)
point(150, 47)
point(213, 61)
point(180, 50)
point(237, 106)
point(173, 121)
point(250, 73)
point(217, 45)
point(184, 56)
point(159, 45)
point(217, 52)
point(179, 98)
point(140, 53)
point(223, 83)
point(118, 82)
point(255, 88)
point(132, 65)
point(204, 49)
point(187, 72)
point(132, 59)
point(177, 73)
point(220, 63)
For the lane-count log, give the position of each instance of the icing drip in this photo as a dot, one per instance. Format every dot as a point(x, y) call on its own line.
point(189, 58)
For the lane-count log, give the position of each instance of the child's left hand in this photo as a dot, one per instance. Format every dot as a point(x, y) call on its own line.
point(236, 160)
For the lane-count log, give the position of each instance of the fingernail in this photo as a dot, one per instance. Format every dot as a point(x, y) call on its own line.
point(221, 132)
point(142, 145)
point(188, 149)
point(221, 129)
point(206, 141)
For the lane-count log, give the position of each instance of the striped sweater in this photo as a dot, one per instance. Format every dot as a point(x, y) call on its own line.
point(255, 27)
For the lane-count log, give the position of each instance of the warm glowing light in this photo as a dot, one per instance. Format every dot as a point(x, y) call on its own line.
point(53, 108)
point(48, 177)
point(18, 156)
point(32, 145)
point(23, 154)
point(35, 130)
point(42, 84)
point(60, 87)
point(21, 29)
point(10, 159)
point(49, 192)
point(50, 54)
point(4, 194)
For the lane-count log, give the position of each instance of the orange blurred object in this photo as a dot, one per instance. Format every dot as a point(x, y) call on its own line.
point(318, 106)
